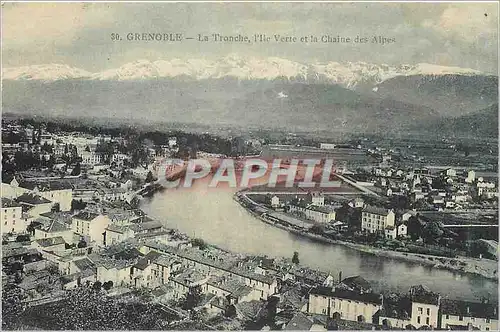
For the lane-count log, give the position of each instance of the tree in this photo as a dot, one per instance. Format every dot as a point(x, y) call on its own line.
point(199, 243)
point(82, 243)
point(149, 177)
point(76, 170)
point(193, 298)
point(295, 258)
point(11, 307)
point(78, 205)
point(107, 285)
point(97, 285)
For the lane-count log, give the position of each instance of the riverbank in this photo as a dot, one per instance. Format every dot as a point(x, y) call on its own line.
point(482, 267)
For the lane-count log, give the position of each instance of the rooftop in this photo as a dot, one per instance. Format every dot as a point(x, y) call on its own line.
point(299, 322)
point(376, 210)
point(373, 298)
point(31, 199)
point(422, 294)
point(9, 203)
point(86, 215)
point(51, 241)
point(46, 185)
point(469, 309)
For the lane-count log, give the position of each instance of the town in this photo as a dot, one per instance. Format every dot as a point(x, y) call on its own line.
point(78, 252)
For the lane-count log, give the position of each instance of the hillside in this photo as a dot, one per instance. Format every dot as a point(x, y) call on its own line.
point(265, 104)
point(450, 95)
point(482, 123)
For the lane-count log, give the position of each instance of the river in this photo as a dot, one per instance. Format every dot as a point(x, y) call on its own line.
point(214, 216)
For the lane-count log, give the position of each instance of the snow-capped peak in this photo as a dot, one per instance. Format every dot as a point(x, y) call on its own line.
point(48, 72)
point(348, 74)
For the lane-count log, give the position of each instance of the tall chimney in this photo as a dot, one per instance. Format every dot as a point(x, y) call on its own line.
point(340, 276)
point(468, 310)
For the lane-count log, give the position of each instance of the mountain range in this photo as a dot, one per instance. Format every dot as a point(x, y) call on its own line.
point(349, 75)
point(261, 93)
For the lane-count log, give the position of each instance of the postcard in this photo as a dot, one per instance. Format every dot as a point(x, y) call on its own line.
point(249, 165)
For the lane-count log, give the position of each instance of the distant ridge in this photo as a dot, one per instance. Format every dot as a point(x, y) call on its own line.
point(349, 74)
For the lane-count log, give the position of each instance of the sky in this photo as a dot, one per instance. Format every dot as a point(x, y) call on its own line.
point(79, 34)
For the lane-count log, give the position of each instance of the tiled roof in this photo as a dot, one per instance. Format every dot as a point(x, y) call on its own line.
point(86, 215)
point(31, 199)
point(51, 241)
point(322, 209)
point(373, 298)
point(145, 226)
point(399, 308)
point(9, 203)
point(84, 264)
point(422, 294)
point(46, 185)
point(357, 282)
point(299, 322)
point(145, 261)
point(376, 210)
point(469, 309)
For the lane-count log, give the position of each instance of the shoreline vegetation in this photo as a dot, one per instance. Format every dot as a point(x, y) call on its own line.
point(485, 268)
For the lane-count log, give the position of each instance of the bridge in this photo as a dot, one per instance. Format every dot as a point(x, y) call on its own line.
point(357, 186)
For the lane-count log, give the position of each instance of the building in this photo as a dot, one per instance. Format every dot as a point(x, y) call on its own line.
point(451, 172)
point(469, 315)
point(321, 214)
point(395, 313)
point(91, 226)
point(327, 146)
point(375, 219)
point(12, 217)
point(393, 232)
point(317, 199)
point(34, 205)
point(57, 191)
point(231, 288)
point(471, 176)
point(91, 158)
point(275, 201)
point(344, 304)
point(424, 307)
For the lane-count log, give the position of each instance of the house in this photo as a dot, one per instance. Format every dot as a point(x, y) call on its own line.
point(266, 285)
point(34, 204)
point(469, 315)
point(376, 219)
point(275, 201)
point(357, 284)
point(321, 214)
point(299, 322)
point(231, 288)
point(184, 281)
point(357, 203)
point(317, 199)
point(91, 226)
point(52, 228)
point(116, 233)
point(91, 158)
point(113, 268)
point(12, 217)
point(451, 172)
point(395, 314)
point(424, 307)
point(55, 244)
point(344, 304)
point(393, 232)
point(471, 177)
point(57, 191)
